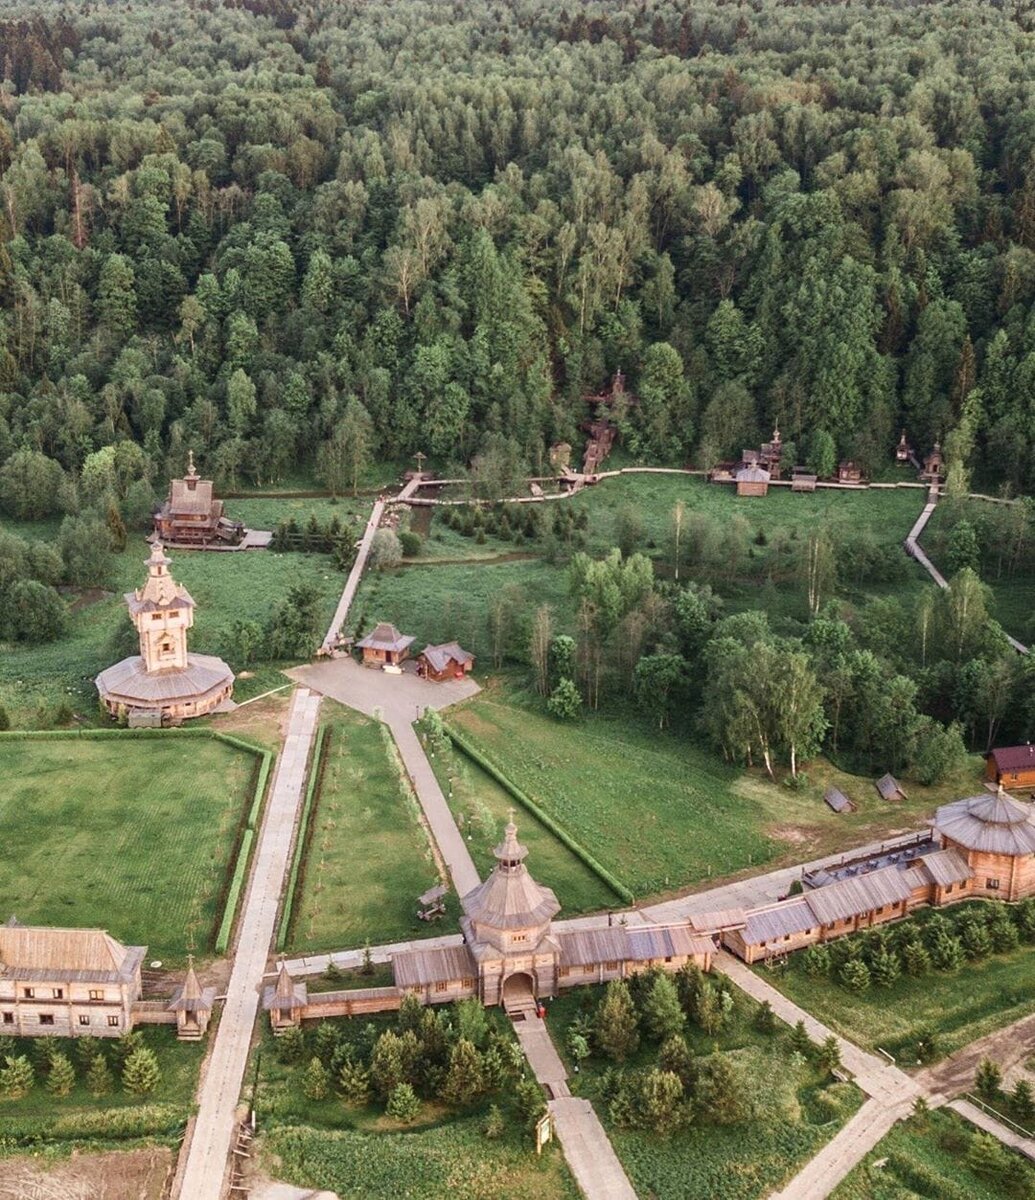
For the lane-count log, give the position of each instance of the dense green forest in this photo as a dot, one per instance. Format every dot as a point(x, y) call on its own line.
point(260, 227)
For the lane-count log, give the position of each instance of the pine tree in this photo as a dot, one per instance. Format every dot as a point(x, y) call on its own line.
point(917, 958)
point(495, 1125)
point(800, 1041)
point(315, 1080)
point(676, 1056)
point(765, 1018)
point(830, 1055)
point(855, 975)
point(99, 1080)
point(403, 1103)
point(141, 1073)
point(291, 1044)
point(465, 1077)
point(17, 1076)
point(61, 1078)
point(885, 968)
point(86, 1050)
point(615, 1025)
point(354, 1083)
point(662, 1014)
point(387, 1070)
point(988, 1079)
point(1023, 1103)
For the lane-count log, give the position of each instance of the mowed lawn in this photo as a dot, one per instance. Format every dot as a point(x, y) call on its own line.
point(960, 1006)
point(368, 856)
point(482, 808)
point(657, 812)
point(226, 587)
point(132, 836)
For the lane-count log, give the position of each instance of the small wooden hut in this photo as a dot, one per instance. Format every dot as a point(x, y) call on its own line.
point(903, 451)
point(384, 646)
point(1011, 766)
point(934, 466)
point(447, 661)
point(752, 480)
point(849, 472)
point(803, 481)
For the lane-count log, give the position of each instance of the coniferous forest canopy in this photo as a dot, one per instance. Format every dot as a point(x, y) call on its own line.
point(256, 226)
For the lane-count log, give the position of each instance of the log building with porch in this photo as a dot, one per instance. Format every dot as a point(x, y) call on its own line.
point(192, 517)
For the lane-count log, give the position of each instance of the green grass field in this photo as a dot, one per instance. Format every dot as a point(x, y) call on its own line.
point(226, 587)
point(103, 1122)
point(368, 857)
point(961, 1006)
point(662, 813)
point(925, 1160)
point(482, 807)
point(132, 836)
point(746, 1161)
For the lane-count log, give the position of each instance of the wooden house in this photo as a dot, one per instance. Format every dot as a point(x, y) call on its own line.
point(446, 661)
point(752, 480)
point(996, 835)
point(849, 472)
point(66, 982)
point(1011, 766)
point(934, 466)
point(192, 516)
point(384, 646)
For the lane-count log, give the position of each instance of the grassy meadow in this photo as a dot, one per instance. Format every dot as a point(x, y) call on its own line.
point(368, 857)
point(133, 836)
point(960, 1006)
point(662, 813)
point(925, 1159)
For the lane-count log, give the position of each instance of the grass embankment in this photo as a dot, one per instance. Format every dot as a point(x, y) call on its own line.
point(796, 1110)
point(662, 813)
point(124, 834)
point(226, 587)
point(368, 857)
point(960, 1006)
point(926, 1159)
point(52, 1124)
point(360, 1153)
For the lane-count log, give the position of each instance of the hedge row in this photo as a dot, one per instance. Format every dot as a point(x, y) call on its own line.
point(105, 1124)
point(42, 735)
point(544, 818)
point(233, 896)
point(301, 840)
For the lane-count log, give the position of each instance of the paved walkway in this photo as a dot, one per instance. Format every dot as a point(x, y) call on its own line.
point(997, 1129)
point(355, 575)
point(399, 700)
point(206, 1165)
point(586, 1146)
point(1007, 1047)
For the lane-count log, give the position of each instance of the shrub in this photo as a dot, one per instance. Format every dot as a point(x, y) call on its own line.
point(410, 543)
point(988, 1080)
point(315, 1081)
point(885, 968)
point(61, 1078)
point(99, 1080)
point(291, 1045)
point(17, 1076)
point(816, 960)
point(495, 1125)
point(403, 1103)
point(564, 703)
point(916, 958)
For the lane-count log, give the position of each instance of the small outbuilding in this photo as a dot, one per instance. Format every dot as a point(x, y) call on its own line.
point(890, 788)
point(447, 661)
point(752, 480)
point(849, 472)
point(838, 801)
point(803, 481)
point(903, 451)
point(1011, 766)
point(934, 466)
point(384, 646)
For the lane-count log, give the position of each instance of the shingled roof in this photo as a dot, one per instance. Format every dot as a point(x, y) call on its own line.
point(384, 636)
point(996, 823)
point(510, 898)
point(1014, 758)
point(439, 657)
point(41, 953)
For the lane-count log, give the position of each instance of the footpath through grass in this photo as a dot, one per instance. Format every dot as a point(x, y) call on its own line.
point(368, 857)
point(133, 836)
point(928, 1159)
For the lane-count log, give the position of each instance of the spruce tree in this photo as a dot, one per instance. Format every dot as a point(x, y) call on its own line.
point(99, 1080)
point(354, 1083)
point(1023, 1103)
point(988, 1079)
point(615, 1025)
point(800, 1041)
point(315, 1080)
point(830, 1055)
point(61, 1078)
point(17, 1076)
point(291, 1044)
point(141, 1073)
point(403, 1103)
point(662, 1014)
point(465, 1077)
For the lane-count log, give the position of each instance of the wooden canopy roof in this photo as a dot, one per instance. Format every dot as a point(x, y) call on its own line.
point(41, 953)
point(510, 898)
point(997, 824)
point(385, 636)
